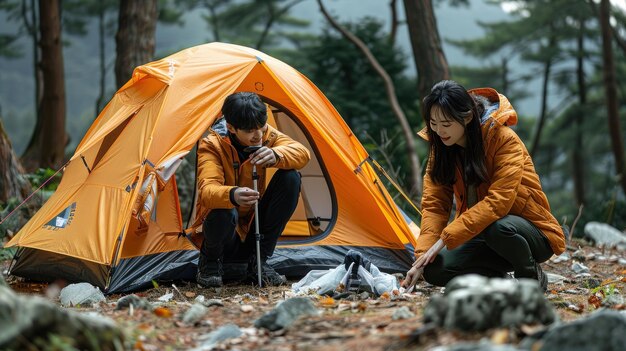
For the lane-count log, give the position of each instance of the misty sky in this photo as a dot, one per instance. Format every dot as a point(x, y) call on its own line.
point(16, 82)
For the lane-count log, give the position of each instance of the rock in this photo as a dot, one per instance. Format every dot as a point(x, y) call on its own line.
point(561, 258)
point(194, 314)
point(286, 312)
point(402, 313)
point(604, 235)
point(613, 300)
point(166, 298)
point(591, 283)
point(483, 345)
point(602, 330)
point(83, 294)
point(579, 268)
point(555, 278)
point(476, 303)
point(579, 255)
point(28, 321)
point(132, 299)
point(222, 334)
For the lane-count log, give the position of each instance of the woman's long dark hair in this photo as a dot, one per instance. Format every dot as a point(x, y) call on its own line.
point(456, 104)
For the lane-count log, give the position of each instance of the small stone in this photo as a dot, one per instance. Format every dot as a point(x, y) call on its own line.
point(402, 313)
point(225, 332)
point(166, 298)
point(578, 267)
point(132, 299)
point(195, 314)
point(286, 312)
point(247, 308)
point(83, 294)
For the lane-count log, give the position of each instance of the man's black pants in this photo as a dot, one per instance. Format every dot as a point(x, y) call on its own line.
point(275, 208)
point(512, 243)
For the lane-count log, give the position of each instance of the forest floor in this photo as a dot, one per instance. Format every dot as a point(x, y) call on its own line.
point(365, 324)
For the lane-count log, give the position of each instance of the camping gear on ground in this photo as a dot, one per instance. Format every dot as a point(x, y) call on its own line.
point(355, 274)
point(257, 235)
point(115, 219)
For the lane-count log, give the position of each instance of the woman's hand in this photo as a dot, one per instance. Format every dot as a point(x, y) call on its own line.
point(412, 276)
point(416, 271)
point(429, 256)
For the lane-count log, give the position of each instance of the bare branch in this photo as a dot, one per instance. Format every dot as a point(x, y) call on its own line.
point(416, 181)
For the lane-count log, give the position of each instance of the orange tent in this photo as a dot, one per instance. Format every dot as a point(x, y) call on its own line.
point(115, 219)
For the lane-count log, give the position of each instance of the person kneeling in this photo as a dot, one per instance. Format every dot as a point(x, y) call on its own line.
point(503, 221)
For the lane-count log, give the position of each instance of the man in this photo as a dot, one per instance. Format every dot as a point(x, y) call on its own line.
point(226, 194)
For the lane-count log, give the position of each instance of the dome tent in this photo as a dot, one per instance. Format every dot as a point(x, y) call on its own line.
point(115, 219)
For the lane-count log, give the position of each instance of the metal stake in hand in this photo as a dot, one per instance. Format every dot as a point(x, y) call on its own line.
point(257, 235)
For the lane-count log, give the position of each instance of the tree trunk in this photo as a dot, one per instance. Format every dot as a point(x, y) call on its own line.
point(393, 31)
point(409, 135)
point(53, 135)
point(610, 86)
point(577, 152)
point(544, 97)
point(30, 157)
point(544, 105)
point(102, 48)
point(428, 54)
point(13, 184)
point(505, 76)
point(135, 37)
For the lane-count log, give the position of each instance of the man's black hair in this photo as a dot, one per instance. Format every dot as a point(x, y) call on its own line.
point(245, 110)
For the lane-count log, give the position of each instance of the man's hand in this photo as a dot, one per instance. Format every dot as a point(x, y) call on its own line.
point(412, 276)
point(263, 157)
point(246, 196)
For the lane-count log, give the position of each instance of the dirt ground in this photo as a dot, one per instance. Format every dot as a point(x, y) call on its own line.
point(363, 324)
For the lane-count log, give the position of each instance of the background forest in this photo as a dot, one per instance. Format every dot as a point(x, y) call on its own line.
point(560, 62)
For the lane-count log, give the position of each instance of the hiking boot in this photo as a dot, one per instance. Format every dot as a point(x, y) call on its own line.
point(542, 278)
point(209, 273)
point(269, 276)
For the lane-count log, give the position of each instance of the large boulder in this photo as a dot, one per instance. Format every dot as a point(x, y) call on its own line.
point(477, 303)
point(603, 234)
point(31, 321)
point(603, 330)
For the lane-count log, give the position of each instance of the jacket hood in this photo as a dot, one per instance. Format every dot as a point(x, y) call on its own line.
point(219, 126)
point(496, 106)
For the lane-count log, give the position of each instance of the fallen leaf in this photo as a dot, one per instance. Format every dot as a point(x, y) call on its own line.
point(595, 301)
point(139, 346)
point(500, 337)
point(385, 296)
point(190, 294)
point(327, 301)
point(163, 312)
point(361, 306)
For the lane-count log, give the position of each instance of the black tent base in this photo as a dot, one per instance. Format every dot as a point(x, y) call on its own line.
point(141, 272)
point(131, 274)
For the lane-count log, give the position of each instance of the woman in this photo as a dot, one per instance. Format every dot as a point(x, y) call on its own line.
point(502, 221)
